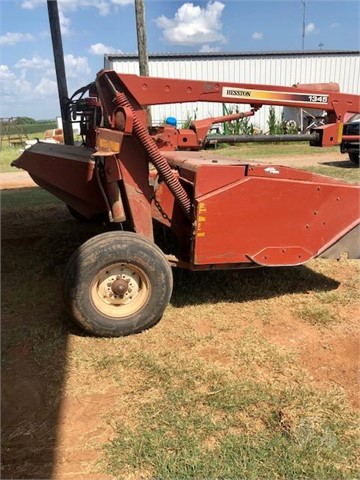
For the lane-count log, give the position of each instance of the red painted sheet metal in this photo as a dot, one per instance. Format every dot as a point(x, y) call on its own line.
point(192, 161)
point(67, 172)
point(213, 177)
point(135, 174)
point(273, 221)
point(207, 172)
point(276, 171)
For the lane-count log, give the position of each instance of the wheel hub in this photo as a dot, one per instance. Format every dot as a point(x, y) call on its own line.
point(117, 286)
point(120, 287)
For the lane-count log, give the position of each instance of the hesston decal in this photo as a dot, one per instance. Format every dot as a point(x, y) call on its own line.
point(288, 97)
point(237, 93)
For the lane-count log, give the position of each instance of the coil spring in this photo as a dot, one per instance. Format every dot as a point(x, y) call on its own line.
point(156, 158)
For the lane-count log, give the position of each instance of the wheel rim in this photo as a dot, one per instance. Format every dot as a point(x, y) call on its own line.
point(120, 290)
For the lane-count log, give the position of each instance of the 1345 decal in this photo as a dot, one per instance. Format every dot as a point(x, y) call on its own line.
point(268, 96)
point(318, 98)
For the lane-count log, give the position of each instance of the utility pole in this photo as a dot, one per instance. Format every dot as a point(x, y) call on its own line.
point(60, 70)
point(303, 25)
point(142, 45)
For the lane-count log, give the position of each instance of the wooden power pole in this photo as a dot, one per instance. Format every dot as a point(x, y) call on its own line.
point(60, 70)
point(142, 45)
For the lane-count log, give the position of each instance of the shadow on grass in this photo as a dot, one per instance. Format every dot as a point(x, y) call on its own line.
point(36, 244)
point(196, 288)
point(34, 348)
point(340, 164)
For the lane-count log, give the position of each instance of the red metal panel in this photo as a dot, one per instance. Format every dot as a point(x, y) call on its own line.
point(273, 221)
point(135, 174)
point(112, 169)
point(67, 172)
point(276, 171)
point(212, 177)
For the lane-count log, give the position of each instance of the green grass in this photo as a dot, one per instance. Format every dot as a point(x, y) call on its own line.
point(349, 173)
point(320, 315)
point(26, 197)
point(194, 420)
point(8, 154)
point(186, 416)
point(217, 390)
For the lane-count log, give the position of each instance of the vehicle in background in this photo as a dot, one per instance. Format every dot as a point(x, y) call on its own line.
point(351, 127)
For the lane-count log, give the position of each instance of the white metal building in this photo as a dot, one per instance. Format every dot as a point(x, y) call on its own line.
point(272, 68)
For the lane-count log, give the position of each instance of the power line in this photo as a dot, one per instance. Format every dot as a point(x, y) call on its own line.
point(303, 26)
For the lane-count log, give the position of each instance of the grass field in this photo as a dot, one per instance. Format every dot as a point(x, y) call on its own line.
point(250, 374)
point(9, 153)
point(348, 173)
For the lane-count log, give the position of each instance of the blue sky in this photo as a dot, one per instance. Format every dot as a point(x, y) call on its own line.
point(92, 27)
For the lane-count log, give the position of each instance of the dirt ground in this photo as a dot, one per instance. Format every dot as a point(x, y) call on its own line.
point(15, 179)
point(60, 437)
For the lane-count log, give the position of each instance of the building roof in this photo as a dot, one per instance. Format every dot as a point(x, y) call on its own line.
point(174, 56)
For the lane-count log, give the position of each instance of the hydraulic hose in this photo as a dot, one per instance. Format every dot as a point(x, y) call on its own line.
point(155, 156)
point(261, 138)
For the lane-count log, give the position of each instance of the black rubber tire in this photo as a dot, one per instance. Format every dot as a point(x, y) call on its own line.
point(102, 252)
point(354, 157)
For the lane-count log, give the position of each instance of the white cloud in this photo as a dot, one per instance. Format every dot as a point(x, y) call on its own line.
point(23, 87)
point(335, 25)
point(310, 28)
point(31, 4)
point(6, 74)
point(101, 49)
point(46, 88)
point(32, 84)
point(257, 36)
point(50, 72)
point(193, 25)
point(12, 38)
point(72, 5)
point(38, 64)
point(65, 23)
point(13, 86)
point(35, 63)
point(122, 3)
point(43, 34)
point(76, 66)
point(208, 49)
point(103, 6)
